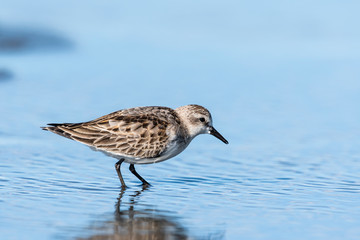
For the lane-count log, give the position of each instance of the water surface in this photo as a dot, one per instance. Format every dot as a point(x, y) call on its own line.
point(281, 81)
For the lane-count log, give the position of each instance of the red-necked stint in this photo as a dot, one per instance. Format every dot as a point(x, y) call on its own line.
point(141, 135)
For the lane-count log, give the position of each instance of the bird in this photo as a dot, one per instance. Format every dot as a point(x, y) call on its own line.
point(141, 135)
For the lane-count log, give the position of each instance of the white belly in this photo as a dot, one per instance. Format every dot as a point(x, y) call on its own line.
point(172, 150)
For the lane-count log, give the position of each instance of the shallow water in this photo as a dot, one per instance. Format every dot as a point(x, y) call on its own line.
point(281, 82)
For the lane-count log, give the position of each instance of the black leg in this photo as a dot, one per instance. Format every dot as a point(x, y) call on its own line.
point(132, 169)
point(117, 167)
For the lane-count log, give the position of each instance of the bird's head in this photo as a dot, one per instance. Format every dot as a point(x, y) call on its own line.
point(197, 120)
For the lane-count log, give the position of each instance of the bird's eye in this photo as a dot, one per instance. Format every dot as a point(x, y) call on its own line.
point(202, 119)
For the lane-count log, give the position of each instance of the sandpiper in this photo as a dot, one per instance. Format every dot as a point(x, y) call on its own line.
point(141, 135)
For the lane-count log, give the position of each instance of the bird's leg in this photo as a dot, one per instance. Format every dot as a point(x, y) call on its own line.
point(117, 167)
point(132, 169)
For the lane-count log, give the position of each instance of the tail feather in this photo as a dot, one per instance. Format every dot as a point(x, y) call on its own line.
point(54, 127)
point(68, 130)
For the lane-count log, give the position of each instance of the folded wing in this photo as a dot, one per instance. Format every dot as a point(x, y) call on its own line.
point(139, 136)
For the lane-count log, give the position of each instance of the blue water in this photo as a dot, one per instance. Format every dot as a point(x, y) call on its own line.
point(281, 80)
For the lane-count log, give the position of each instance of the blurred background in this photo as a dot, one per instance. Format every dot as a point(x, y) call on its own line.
point(280, 78)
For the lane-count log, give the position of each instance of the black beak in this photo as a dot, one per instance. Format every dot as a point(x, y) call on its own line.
point(216, 134)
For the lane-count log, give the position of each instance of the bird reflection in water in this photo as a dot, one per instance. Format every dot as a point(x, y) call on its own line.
point(138, 224)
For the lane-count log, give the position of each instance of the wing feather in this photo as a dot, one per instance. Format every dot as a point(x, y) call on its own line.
point(137, 132)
